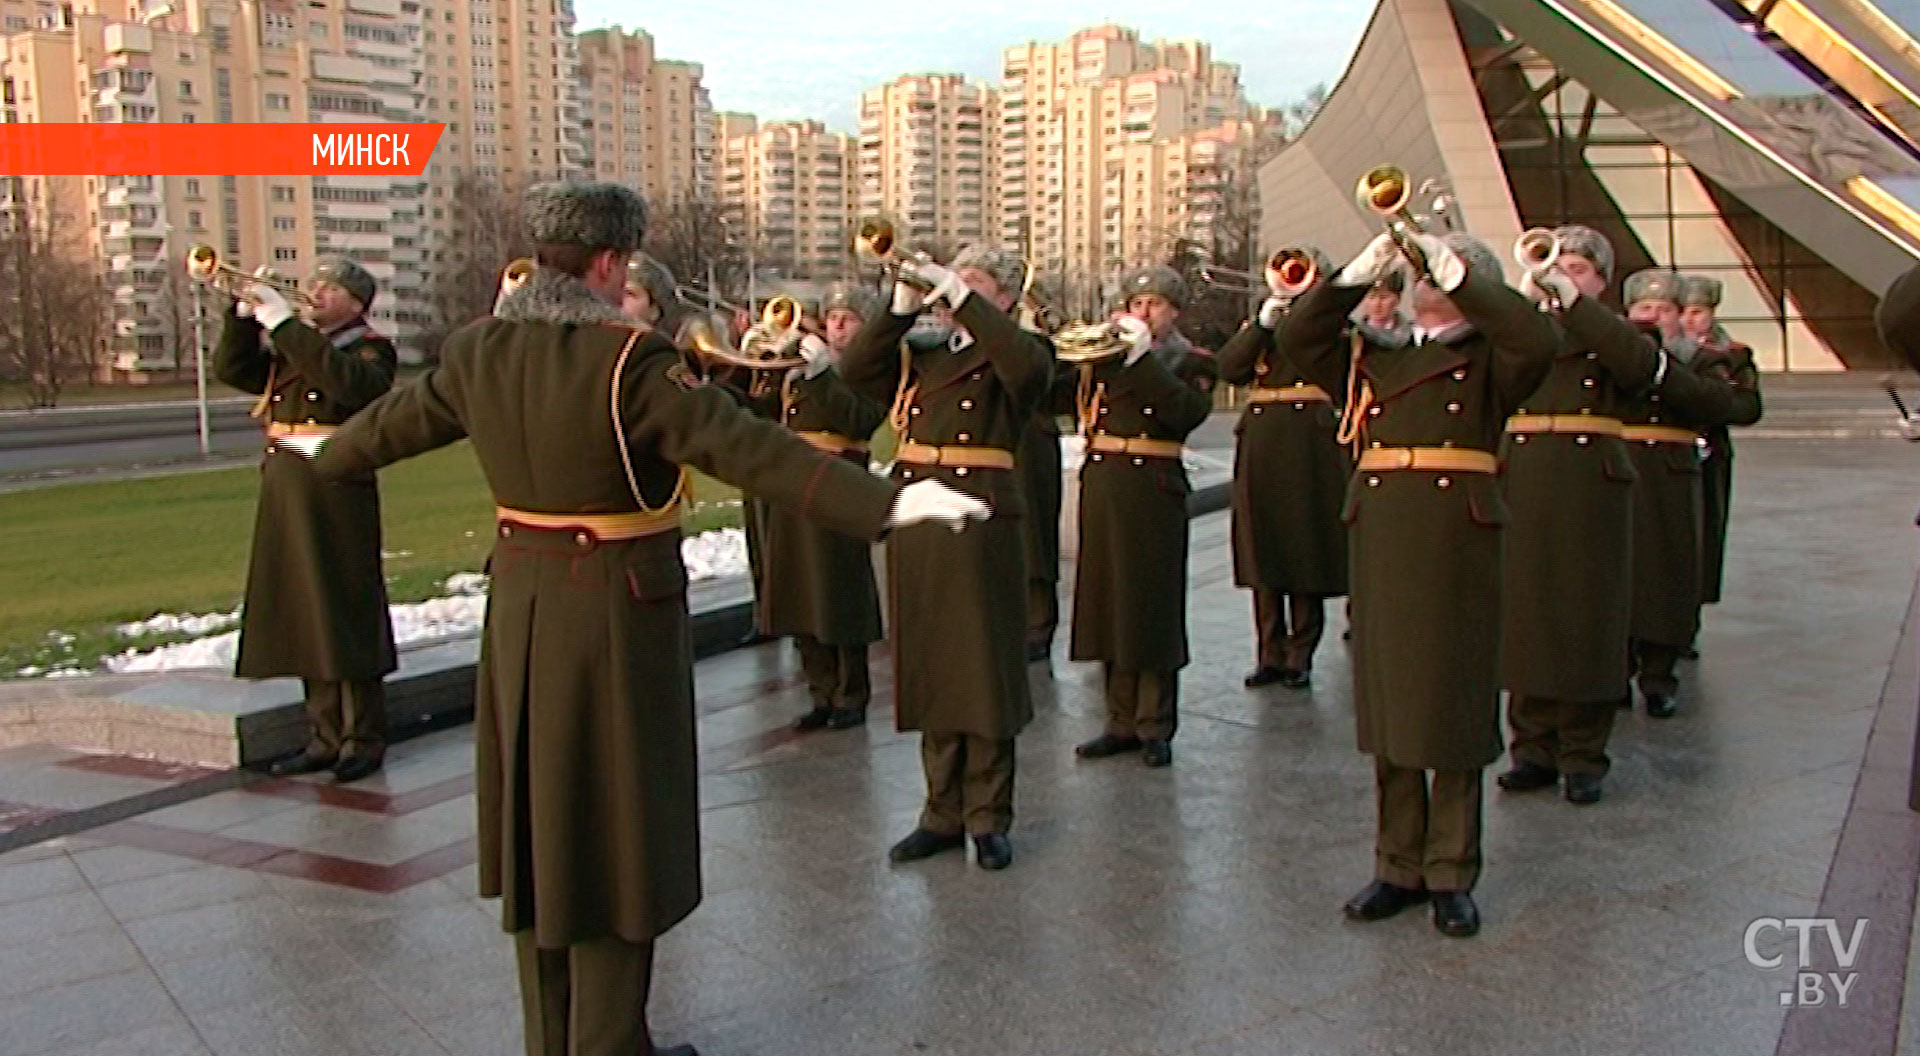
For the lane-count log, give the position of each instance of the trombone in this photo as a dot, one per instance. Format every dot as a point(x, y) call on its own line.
point(703, 301)
point(1386, 192)
point(205, 267)
point(1290, 271)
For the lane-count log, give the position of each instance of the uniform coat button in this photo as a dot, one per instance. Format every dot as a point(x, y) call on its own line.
point(506, 531)
point(1519, 438)
point(311, 395)
point(1376, 443)
point(276, 397)
point(1374, 411)
point(960, 471)
point(1373, 482)
point(582, 538)
point(1256, 408)
point(1139, 461)
point(1581, 440)
point(1587, 383)
point(915, 410)
point(966, 405)
point(1443, 482)
point(964, 437)
point(1146, 410)
point(1460, 375)
point(1453, 407)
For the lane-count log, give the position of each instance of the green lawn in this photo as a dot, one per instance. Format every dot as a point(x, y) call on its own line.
point(79, 558)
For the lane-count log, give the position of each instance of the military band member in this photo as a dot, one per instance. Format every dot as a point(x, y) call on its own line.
point(316, 605)
point(956, 604)
point(585, 770)
point(1130, 587)
point(816, 584)
point(1289, 479)
point(648, 299)
point(1699, 301)
point(1663, 434)
point(1569, 564)
point(1425, 518)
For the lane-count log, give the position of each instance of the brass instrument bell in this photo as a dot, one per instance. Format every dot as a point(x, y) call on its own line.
point(205, 266)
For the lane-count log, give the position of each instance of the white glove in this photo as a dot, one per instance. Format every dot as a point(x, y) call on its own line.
point(1539, 285)
point(818, 354)
point(907, 300)
point(946, 284)
point(1271, 311)
point(1139, 337)
point(243, 309)
point(269, 306)
point(930, 500)
point(1444, 266)
point(1372, 263)
point(1910, 428)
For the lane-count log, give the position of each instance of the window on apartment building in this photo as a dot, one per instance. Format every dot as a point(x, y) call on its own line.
point(188, 119)
point(318, 32)
point(193, 220)
point(285, 253)
point(16, 22)
point(193, 187)
point(186, 89)
point(279, 101)
point(283, 194)
point(284, 223)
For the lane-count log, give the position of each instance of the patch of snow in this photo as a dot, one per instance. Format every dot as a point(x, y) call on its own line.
point(461, 612)
point(198, 625)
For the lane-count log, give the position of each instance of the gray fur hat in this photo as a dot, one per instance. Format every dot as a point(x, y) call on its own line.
point(1394, 282)
point(595, 215)
point(1653, 284)
point(1006, 266)
point(1699, 291)
point(1475, 254)
point(1591, 244)
point(860, 300)
point(1156, 278)
point(350, 277)
point(652, 276)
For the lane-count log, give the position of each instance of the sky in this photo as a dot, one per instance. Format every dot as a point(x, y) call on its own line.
point(782, 61)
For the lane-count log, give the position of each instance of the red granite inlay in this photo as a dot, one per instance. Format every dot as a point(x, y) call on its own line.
point(215, 849)
point(20, 815)
point(130, 766)
point(365, 800)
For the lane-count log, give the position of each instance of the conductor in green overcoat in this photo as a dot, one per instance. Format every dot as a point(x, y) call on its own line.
point(1426, 519)
point(316, 604)
point(585, 763)
point(957, 604)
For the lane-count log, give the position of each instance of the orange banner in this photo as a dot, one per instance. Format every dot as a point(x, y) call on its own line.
point(150, 149)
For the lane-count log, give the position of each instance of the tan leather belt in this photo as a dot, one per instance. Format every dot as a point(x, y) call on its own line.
point(831, 443)
point(954, 455)
point(280, 429)
point(1587, 424)
point(1290, 394)
point(1123, 445)
point(1440, 459)
point(603, 526)
point(1660, 434)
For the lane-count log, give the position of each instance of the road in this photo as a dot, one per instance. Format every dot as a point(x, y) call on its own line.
point(67, 440)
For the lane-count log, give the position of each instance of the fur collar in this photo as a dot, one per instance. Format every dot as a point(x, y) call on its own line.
point(551, 296)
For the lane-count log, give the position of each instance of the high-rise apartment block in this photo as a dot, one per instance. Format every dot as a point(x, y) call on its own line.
point(1112, 149)
point(219, 60)
point(787, 186)
point(926, 157)
point(649, 121)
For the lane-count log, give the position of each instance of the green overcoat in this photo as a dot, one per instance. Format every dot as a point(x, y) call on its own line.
point(1289, 476)
point(1426, 546)
point(1666, 502)
point(1733, 361)
point(585, 763)
point(815, 581)
point(1569, 570)
point(957, 602)
point(1130, 578)
point(316, 604)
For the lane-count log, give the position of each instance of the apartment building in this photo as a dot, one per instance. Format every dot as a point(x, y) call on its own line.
point(788, 187)
point(648, 122)
point(1104, 140)
point(925, 157)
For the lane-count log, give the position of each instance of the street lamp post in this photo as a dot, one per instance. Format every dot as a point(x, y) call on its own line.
point(199, 346)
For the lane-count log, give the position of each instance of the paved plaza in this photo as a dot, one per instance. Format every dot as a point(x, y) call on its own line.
point(1192, 910)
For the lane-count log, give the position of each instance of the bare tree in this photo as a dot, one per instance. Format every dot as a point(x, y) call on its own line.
point(53, 305)
point(488, 232)
point(1214, 314)
point(702, 245)
point(1301, 112)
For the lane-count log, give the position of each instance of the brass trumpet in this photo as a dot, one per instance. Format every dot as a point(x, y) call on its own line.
point(1089, 343)
point(1385, 191)
point(703, 301)
point(205, 267)
point(876, 240)
point(516, 275)
point(1536, 249)
point(704, 337)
